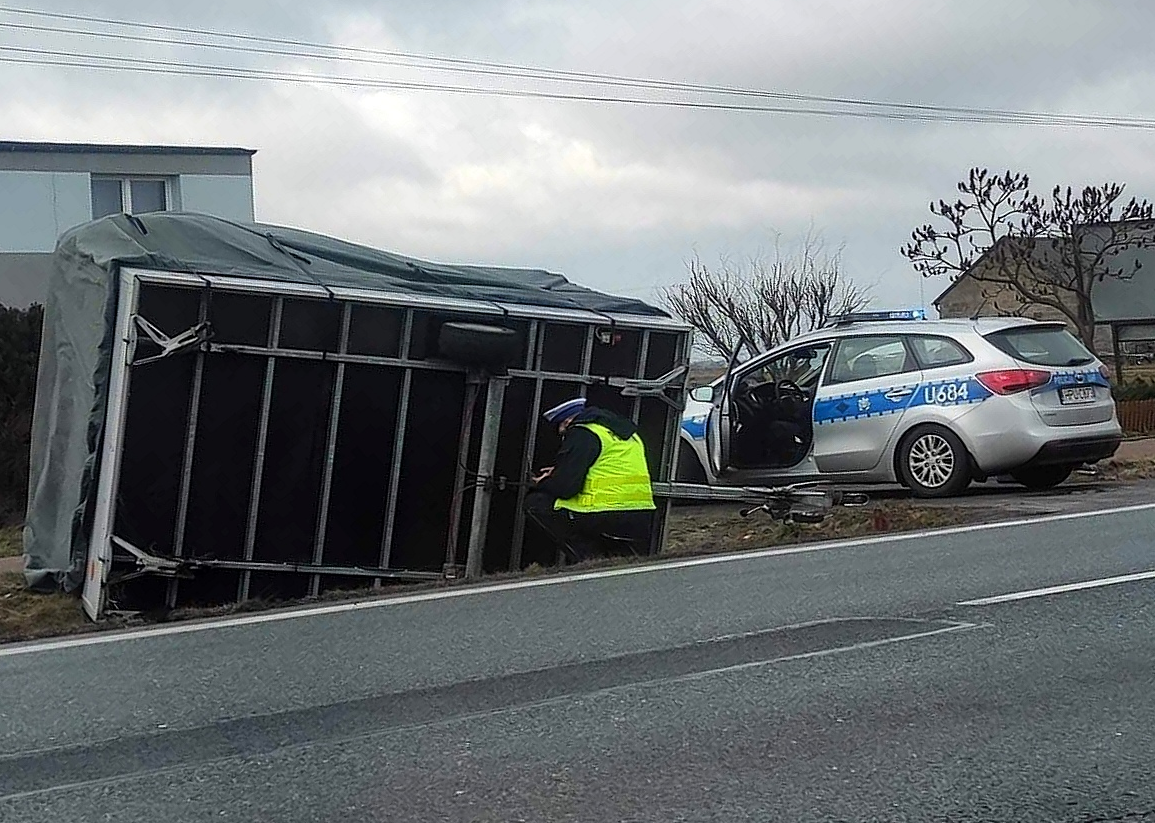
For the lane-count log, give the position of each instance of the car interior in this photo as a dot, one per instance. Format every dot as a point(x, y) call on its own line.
point(773, 404)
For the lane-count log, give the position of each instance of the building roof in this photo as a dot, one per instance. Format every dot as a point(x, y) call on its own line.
point(1114, 299)
point(14, 146)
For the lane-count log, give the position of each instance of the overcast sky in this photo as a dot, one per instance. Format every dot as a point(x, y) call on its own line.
point(617, 197)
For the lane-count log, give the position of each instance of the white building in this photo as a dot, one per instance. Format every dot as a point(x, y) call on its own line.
point(47, 188)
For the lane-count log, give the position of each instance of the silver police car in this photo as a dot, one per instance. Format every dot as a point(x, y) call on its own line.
point(889, 397)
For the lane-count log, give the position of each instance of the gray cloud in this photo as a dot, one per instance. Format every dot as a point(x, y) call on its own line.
point(619, 196)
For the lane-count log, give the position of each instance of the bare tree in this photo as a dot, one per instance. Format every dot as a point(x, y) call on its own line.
point(766, 300)
point(1042, 251)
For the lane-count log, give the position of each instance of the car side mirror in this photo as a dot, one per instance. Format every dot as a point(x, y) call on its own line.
point(702, 394)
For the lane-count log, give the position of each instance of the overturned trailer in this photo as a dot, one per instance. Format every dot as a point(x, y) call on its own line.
point(229, 411)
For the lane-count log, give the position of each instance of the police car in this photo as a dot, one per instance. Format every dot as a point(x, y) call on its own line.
point(887, 397)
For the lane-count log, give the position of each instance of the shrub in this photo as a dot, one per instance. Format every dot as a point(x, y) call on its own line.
point(19, 356)
point(1135, 389)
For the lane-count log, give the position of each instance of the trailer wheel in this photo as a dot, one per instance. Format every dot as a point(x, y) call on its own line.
point(478, 345)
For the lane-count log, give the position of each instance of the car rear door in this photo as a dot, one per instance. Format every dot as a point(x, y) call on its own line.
point(869, 383)
point(1078, 393)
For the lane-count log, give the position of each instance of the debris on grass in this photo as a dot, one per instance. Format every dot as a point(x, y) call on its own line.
point(1142, 468)
point(713, 529)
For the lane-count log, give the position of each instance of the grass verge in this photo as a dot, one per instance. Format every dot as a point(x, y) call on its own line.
point(11, 543)
point(714, 529)
point(26, 615)
point(693, 531)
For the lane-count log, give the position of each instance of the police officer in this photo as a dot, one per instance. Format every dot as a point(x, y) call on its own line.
point(599, 487)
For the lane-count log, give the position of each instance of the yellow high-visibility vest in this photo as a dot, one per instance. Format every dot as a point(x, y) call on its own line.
point(618, 481)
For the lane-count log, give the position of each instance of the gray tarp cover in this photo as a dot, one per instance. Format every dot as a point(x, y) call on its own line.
point(79, 318)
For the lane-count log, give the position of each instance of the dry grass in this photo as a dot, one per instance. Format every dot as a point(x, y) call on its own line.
point(25, 615)
point(712, 529)
point(11, 543)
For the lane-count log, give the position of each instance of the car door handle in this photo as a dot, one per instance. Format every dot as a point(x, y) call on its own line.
point(898, 394)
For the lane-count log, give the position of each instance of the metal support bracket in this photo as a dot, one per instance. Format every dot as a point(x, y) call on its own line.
point(149, 563)
point(657, 387)
point(187, 340)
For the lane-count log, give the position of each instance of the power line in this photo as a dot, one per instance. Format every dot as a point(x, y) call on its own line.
point(411, 60)
point(848, 107)
point(45, 57)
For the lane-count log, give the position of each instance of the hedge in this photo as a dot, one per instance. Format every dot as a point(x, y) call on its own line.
point(1136, 389)
point(19, 355)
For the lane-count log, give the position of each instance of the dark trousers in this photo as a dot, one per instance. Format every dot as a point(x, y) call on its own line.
point(585, 536)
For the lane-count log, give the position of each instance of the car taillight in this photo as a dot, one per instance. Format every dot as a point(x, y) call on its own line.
point(1012, 381)
point(1106, 372)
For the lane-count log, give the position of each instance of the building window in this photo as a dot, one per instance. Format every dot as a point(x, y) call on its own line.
point(129, 195)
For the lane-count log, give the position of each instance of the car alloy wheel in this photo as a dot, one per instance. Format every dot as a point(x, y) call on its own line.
point(931, 460)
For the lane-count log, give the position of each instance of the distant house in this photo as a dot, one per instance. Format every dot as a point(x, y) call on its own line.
point(1124, 308)
point(47, 188)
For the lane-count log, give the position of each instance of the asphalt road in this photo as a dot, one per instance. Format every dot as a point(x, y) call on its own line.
point(845, 682)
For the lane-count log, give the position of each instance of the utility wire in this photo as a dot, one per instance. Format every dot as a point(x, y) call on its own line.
point(410, 60)
point(45, 57)
point(857, 107)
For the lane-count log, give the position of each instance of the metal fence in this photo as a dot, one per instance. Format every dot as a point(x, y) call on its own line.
point(1137, 416)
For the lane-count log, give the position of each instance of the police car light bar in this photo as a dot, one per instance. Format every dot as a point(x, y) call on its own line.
point(876, 316)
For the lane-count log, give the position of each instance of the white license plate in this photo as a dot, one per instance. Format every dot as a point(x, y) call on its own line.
point(1077, 394)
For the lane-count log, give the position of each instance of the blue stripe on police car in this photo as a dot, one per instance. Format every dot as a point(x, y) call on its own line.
point(695, 426)
point(895, 399)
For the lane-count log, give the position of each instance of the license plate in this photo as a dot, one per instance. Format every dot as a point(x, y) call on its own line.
point(1077, 394)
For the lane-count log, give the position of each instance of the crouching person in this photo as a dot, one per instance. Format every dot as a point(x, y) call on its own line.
point(596, 499)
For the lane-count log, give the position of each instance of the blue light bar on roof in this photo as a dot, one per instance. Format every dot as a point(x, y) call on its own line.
point(875, 316)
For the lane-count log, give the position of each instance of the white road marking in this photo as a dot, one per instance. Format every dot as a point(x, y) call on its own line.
point(452, 593)
point(1066, 587)
point(867, 644)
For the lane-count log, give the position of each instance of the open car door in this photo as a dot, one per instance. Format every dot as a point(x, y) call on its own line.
point(720, 423)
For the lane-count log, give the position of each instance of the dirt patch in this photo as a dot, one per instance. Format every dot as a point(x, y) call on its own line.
point(26, 615)
point(1142, 448)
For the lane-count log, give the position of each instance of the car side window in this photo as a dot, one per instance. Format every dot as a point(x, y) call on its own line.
point(801, 366)
point(863, 358)
point(936, 352)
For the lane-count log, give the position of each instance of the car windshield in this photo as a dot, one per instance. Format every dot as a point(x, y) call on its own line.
point(1046, 346)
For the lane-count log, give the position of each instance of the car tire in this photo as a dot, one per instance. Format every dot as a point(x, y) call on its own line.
point(1041, 478)
point(689, 467)
point(477, 345)
point(933, 462)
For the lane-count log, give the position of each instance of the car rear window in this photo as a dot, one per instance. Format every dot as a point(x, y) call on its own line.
point(936, 352)
point(1042, 347)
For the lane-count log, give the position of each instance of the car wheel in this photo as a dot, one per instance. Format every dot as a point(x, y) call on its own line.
point(689, 467)
point(1040, 478)
point(933, 462)
point(474, 344)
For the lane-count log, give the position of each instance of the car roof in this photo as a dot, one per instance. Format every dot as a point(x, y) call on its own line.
point(981, 325)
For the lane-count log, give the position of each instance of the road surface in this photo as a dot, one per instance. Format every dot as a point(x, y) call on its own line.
point(871, 680)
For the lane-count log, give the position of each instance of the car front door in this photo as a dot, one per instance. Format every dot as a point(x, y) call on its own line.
point(869, 383)
point(722, 418)
point(798, 365)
